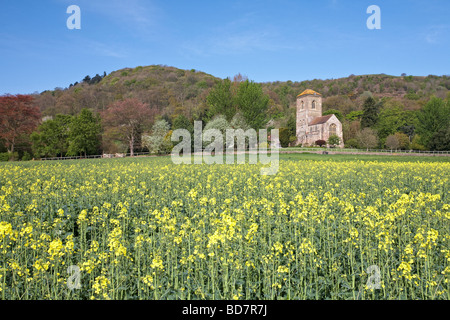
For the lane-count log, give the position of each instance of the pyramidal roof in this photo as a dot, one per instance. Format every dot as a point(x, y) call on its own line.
point(309, 91)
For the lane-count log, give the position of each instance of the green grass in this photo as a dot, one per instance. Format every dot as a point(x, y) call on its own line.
point(361, 157)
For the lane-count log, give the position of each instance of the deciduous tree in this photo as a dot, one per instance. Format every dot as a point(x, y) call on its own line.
point(18, 116)
point(129, 118)
point(367, 138)
point(84, 134)
point(434, 117)
point(51, 137)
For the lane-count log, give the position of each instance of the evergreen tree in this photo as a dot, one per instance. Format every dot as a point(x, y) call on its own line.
point(370, 113)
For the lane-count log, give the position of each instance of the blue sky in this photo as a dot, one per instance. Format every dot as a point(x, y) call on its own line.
point(263, 40)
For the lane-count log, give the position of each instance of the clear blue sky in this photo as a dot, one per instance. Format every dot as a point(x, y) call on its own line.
point(264, 40)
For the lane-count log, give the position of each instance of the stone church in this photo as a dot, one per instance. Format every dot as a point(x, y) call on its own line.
point(311, 124)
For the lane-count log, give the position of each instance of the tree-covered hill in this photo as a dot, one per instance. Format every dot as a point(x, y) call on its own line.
point(130, 104)
point(175, 91)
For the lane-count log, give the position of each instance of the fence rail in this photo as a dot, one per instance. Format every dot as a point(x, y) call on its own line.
point(281, 150)
point(365, 150)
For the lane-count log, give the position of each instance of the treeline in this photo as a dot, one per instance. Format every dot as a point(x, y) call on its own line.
point(136, 109)
point(127, 125)
point(384, 123)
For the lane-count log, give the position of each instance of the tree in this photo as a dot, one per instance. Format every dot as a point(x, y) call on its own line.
point(159, 141)
point(390, 120)
point(181, 122)
point(220, 100)
point(238, 122)
point(51, 137)
point(284, 136)
point(291, 124)
point(220, 123)
point(370, 113)
point(392, 142)
point(18, 116)
point(337, 113)
point(403, 141)
point(87, 79)
point(84, 133)
point(253, 104)
point(416, 143)
point(354, 115)
point(441, 140)
point(334, 140)
point(367, 138)
point(128, 118)
point(432, 118)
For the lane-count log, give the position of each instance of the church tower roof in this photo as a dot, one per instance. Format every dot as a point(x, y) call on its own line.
point(309, 91)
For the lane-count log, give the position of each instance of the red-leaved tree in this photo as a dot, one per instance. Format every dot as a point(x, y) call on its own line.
point(128, 118)
point(18, 116)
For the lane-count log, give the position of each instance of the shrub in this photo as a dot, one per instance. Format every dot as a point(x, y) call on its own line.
point(26, 156)
point(320, 143)
point(8, 156)
point(284, 137)
point(334, 140)
point(352, 143)
point(4, 156)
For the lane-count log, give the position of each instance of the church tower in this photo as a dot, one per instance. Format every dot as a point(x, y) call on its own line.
point(309, 106)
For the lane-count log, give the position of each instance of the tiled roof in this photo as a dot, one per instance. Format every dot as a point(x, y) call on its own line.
point(320, 120)
point(309, 91)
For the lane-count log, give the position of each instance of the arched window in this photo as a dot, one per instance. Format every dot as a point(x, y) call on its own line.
point(332, 129)
point(302, 105)
point(313, 106)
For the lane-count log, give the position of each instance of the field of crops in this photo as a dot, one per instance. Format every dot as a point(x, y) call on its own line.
point(144, 228)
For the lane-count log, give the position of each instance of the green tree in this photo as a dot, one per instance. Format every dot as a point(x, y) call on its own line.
point(441, 140)
point(337, 113)
point(291, 124)
point(181, 122)
point(403, 140)
point(253, 104)
point(354, 115)
point(416, 143)
point(238, 122)
point(51, 137)
point(390, 120)
point(432, 118)
point(370, 113)
point(284, 136)
point(220, 100)
point(84, 134)
point(334, 140)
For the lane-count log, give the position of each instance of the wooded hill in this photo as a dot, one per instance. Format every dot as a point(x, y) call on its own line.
point(175, 91)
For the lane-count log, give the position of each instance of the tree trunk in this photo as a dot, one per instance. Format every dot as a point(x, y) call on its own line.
point(131, 145)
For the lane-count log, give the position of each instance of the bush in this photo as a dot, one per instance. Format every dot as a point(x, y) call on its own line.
point(334, 140)
point(352, 143)
point(26, 156)
point(8, 156)
point(320, 143)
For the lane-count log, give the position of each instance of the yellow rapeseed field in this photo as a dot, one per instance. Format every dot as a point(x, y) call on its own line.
point(145, 228)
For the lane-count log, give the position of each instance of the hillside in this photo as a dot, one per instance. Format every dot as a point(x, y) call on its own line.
point(169, 89)
point(173, 91)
